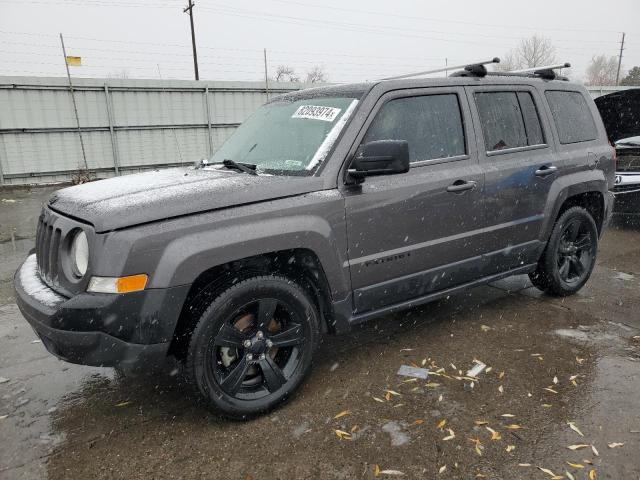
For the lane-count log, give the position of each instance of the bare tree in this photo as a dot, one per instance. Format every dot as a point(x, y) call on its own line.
point(507, 63)
point(632, 78)
point(536, 51)
point(531, 52)
point(602, 70)
point(284, 73)
point(316, 75)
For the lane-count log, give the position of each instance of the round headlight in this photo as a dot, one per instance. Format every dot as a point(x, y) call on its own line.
point(80, 253)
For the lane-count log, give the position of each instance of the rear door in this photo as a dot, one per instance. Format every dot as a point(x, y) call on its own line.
point(414, 233)
point(520, 164)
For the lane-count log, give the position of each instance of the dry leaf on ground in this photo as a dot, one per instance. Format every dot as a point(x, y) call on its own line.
point(494, 435)
point(573, 427)
point(451, 435)
point(578, 446)
point(397, 473)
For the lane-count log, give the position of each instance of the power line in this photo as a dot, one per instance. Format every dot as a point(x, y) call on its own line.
point(439, 20)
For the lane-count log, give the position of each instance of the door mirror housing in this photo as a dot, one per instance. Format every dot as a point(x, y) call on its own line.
point(382, 157)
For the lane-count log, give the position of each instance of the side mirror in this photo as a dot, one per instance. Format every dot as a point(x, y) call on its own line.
point(382, 157)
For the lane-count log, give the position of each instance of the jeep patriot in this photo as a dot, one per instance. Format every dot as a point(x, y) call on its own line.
point(326, 208)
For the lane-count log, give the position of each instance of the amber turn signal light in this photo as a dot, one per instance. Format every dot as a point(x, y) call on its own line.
point(132, 283)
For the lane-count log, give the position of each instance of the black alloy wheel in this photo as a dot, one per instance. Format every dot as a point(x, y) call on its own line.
point(253, 346)
point(570, 255)
point(575, 253)
point(257, 348)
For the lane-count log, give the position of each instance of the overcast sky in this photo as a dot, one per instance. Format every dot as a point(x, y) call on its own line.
point(352, 40)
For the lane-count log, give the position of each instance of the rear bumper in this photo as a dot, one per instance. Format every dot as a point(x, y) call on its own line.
point(131, 331)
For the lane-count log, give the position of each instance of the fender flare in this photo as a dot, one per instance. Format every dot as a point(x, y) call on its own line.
point(566, 187)
point(187, 257)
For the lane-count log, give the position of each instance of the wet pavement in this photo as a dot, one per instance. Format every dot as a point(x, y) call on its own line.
point(561, 373)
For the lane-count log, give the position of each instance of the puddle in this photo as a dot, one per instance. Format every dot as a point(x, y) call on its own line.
point(395, 430)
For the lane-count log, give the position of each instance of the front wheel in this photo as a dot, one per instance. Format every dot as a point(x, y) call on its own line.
point(253, 346)
point(570, 255)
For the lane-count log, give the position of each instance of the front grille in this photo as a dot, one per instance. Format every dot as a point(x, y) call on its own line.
point(48, 250)
point(52, 237)
point(628, 163)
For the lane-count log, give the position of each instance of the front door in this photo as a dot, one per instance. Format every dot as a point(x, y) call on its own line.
point(415, 233)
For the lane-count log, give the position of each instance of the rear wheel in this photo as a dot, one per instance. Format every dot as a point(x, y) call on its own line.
point(253, 346)
point(570, 256)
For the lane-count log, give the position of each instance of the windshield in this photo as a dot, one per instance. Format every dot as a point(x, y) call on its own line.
point(288, 137)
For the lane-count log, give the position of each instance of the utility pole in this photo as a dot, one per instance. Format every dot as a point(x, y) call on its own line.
point(73, 99)
point(193, 38)
point(620, 60)
point(266, 75)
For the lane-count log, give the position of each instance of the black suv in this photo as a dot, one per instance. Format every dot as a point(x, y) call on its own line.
point(326, 208)
point(620, 112)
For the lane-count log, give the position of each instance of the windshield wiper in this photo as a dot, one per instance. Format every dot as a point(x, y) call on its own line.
point(243, 167)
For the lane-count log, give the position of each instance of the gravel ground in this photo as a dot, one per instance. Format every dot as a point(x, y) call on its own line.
point(563, 372)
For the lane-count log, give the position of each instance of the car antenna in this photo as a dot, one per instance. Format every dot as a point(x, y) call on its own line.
point(475, 69)
point(544, 71)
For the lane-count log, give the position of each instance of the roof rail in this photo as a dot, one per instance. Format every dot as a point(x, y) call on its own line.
point(545, 71)
point(475, 69)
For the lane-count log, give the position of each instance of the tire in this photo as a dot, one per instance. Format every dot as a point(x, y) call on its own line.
point(253, 346)
point(570, 255)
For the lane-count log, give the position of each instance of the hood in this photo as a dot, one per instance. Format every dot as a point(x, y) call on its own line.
point(620, 112)
point(151, 196)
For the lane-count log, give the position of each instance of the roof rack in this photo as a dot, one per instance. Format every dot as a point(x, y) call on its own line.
point(546, 71)
point(476, 69)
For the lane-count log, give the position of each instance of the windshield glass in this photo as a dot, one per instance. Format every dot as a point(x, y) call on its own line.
point(288, 137)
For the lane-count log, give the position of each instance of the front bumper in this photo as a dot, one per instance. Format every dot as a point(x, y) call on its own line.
point(627, 193)
point(132, 331)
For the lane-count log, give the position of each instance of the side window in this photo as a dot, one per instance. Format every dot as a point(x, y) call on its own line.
point(431, 124)
point(531, 119)
point(572, 116)
point(509, 120)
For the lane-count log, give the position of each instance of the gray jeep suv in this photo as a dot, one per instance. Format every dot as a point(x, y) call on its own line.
point(326, 208)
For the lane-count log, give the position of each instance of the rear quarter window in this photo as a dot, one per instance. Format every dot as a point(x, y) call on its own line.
point(572, 116)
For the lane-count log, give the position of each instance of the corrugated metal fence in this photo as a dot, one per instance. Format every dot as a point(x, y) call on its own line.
point(126, 125)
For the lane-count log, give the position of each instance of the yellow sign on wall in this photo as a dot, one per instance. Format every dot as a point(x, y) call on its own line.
point(74, 61)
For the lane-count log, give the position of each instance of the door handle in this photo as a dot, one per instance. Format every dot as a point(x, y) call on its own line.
point(461, 186)
point(546, 170)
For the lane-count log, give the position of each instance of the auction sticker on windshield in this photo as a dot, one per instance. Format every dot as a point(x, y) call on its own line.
point(314, 112)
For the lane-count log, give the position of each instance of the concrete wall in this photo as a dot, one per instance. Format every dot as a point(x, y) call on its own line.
point(126, 125)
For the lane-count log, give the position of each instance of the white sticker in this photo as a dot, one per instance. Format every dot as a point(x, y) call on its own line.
point(314, 112)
